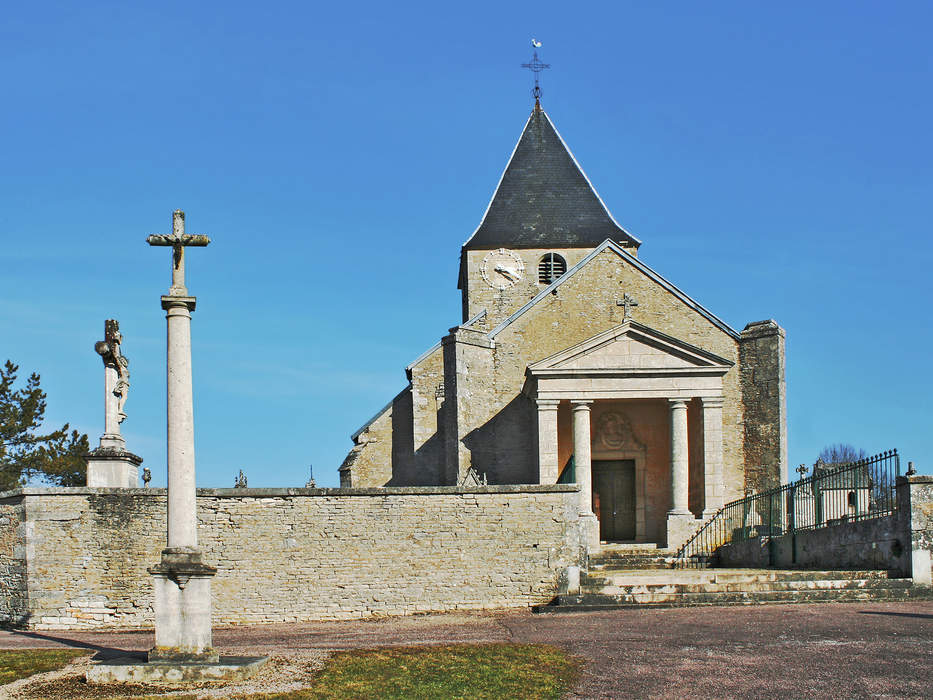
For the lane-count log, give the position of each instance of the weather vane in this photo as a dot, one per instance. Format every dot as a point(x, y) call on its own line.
point(536, 67)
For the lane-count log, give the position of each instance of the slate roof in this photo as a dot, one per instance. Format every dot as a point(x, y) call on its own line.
point(544, 200)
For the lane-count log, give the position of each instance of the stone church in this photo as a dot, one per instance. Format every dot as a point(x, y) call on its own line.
point(576, 362)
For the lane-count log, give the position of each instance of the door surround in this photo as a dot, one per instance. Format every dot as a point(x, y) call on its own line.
point(613, 440)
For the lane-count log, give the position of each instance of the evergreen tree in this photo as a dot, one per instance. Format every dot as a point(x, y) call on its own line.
point(26, 453)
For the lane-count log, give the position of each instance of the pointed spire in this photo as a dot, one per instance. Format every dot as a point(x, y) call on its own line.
point(544, 200)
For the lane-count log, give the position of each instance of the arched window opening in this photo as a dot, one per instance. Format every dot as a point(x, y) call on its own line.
point(550, 268)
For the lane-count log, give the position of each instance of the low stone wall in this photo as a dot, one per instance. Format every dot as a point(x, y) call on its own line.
point(867, 544)
point(901, 542)
point(77, 557)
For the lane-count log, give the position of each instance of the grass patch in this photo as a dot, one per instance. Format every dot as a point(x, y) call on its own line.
point(533, 671)
point(475, 671)
point(20, 663)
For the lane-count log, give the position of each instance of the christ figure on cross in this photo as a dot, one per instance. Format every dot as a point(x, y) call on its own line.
point(178, 240)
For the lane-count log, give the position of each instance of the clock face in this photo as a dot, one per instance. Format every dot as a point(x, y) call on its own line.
point(502, 268)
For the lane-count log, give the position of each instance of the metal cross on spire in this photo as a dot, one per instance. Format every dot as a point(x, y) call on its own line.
point(536, 67)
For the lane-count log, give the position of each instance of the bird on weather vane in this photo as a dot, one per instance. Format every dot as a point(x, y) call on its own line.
point(536, 66)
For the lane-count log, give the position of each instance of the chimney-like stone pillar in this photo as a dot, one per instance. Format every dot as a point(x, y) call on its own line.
point(712, 455)
point(548, 465)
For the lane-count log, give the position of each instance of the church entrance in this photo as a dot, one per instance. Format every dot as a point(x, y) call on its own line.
point(614, 492)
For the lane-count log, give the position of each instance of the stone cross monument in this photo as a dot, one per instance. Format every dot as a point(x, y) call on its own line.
point(182, 580)
point(111, 465)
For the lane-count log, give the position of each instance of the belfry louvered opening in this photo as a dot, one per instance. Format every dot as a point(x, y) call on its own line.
point(550, 268)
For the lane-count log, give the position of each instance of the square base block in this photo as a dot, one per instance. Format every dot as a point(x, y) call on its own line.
point(182, 620)
point(112, 473)
point(680, 528)
point(134, 670)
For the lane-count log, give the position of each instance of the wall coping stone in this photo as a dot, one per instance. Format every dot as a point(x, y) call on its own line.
point(916, 479)
point(291, 492)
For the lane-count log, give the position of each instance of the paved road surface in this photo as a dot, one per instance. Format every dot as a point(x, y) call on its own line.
point(844, 650)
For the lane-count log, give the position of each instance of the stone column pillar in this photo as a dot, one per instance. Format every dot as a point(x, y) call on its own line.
point(111, 436)
point(182, 496)
point(182, 580)
point(680, 464)
point(582, 450)
point(712, 455)
point(582, 458)
point(548, 466)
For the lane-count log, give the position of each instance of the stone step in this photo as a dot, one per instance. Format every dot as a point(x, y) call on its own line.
point(591, 602)
point(696, 576)
point(609, 547)
point(763, 587)
point(628, 563)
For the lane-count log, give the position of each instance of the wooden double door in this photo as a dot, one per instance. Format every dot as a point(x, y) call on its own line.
point(614, 498)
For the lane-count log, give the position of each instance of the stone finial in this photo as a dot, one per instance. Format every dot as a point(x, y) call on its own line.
point(240, 482)
point(311, 483)
point(147, 477)
point(910, 469)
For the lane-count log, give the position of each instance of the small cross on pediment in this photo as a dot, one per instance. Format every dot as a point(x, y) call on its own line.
point(627, 302)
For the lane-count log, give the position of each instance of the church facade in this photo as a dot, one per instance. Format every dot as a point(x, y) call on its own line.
point(576, 362)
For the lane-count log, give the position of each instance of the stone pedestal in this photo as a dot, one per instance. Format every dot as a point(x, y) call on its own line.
point(680, 528)
point(182, 607)
point(112, 467)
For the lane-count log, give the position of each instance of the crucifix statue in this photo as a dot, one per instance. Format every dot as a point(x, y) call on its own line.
point(802, 470)
point(178, 240)
point(117, 376)
point(110, 465)
point(627, 302)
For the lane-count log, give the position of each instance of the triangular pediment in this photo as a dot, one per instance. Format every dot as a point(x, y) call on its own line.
point(631, 346)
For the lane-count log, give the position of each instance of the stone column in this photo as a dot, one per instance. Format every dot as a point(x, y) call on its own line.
point(712, 455)
point(680, 521)
point(582, 458)
point(680, 464)
point(182, 499)
point(548, 466)
point(582, 450)
point(111, 436)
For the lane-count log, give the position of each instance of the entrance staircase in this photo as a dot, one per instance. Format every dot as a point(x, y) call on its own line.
point(642, 576)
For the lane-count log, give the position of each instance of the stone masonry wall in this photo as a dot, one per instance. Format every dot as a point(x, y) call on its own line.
point(866, 544)
point(13, 532)
point(764, 389)
point(286, 555)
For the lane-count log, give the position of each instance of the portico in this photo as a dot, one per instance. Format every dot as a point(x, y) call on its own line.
point(649, 392)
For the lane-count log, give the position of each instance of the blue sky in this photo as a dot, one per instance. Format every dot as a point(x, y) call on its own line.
point(776, 161)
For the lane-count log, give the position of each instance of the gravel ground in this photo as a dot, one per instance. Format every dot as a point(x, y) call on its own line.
point(845, 650)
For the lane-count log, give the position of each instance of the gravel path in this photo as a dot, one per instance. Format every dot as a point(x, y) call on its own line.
point(845, 650)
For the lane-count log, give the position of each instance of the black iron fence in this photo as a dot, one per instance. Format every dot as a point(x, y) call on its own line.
point(835, 493)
